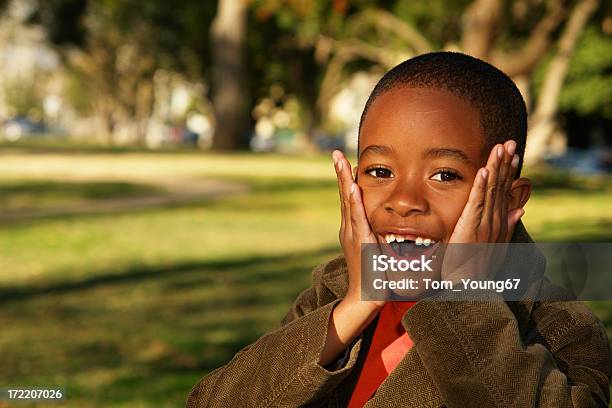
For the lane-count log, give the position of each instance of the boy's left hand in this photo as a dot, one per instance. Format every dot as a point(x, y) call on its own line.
point(486, 218)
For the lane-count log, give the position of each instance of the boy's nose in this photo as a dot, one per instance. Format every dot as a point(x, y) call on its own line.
point(406, 198)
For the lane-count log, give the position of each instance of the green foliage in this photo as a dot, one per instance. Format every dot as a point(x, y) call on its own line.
point(438, 20)
point(588, 87)
point(284, 41)
point(181, 27)
point(78, 92)
point(24, 98)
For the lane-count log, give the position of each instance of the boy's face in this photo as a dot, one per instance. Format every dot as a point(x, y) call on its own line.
point(419, 152)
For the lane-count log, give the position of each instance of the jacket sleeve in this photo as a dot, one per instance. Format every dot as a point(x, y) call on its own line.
point(281, 368)
point(474, 353)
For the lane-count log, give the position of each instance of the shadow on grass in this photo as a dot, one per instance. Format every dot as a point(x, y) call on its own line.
point(146, 336)
point(284, 184)
point(88, 190)
point(27, 202)
point(139, 273)
point(61, 146)
point(262, 191)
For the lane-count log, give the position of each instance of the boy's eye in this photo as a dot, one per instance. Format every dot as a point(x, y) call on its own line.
point(380, 172)
point(446, 176)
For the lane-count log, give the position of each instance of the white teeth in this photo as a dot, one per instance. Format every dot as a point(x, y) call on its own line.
point(399, 238)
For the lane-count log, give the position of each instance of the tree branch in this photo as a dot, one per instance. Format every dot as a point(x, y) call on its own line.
point(542, 121)
point(524, 60)
point(557, 70)
point(403, 30)
point(345, 51)
point(480, 23)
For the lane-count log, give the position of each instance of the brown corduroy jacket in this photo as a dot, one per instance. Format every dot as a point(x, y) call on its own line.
point(481, 352)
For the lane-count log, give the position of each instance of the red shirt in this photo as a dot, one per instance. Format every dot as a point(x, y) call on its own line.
point(389, 345)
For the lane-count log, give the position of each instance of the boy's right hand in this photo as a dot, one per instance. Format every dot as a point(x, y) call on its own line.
point(354, 227)
point(351, 315)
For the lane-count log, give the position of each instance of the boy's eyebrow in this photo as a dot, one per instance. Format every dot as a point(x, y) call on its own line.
point(447, 152)
point(380, 149)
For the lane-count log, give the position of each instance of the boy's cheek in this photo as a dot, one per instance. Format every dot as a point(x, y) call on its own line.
point(446, 211)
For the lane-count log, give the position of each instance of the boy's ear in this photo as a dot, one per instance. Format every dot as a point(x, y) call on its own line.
point(520, 193)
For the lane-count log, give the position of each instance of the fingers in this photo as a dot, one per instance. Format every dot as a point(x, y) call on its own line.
point(354, 220)
point(515, 215)
point(344, 204)
point(345, 181)
point(485, 216)
point(471, 216)
point(502, 165)
point(359, 221)
point(503, 187)
point(345, 178)
point(493, 164)
point(504, 170)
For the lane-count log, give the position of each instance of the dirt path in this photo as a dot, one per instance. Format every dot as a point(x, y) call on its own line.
point(176, 192)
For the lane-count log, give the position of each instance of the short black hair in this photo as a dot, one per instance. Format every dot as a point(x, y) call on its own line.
point(492, 93)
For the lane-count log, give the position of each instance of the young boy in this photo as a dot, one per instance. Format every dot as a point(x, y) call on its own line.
point(441, 142)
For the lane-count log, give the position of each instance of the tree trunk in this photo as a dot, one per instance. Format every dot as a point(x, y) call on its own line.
point(480, 25)
point(542, 123)
point(229, 91)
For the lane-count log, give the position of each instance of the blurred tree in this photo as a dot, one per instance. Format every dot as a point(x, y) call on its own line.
point(516, 36)
point(309, 46)
point(543, 118)
point(114, 48)
point(588, 88)
point(585, 101)
point(230, 99)
point(24, 98)
point(118, 70)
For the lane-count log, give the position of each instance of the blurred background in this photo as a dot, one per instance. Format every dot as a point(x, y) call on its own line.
point(165, 179)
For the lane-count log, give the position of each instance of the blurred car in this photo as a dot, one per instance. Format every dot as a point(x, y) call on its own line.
point(181, 135)
point(594, 160)
point(328, 142)
point(261, 144)
point(20, 127)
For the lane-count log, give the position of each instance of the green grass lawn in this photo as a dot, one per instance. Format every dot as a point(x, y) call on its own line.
point(131, 308)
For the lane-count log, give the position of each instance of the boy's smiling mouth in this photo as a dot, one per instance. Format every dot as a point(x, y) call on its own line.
point(406, 235)
point(419, 240)
point(407, 243)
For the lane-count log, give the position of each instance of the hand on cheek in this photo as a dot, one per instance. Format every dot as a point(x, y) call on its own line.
point(354, 227)
point(486, 218)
